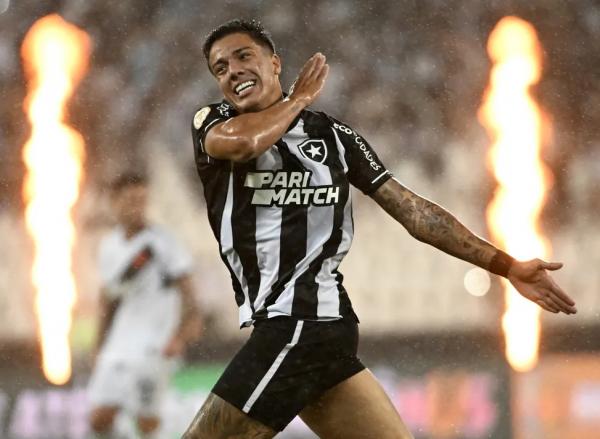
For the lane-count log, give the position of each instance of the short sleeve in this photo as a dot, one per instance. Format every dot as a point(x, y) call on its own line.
point(105, 265)
point(175, 260)
point(365, 169)
point(207, 118)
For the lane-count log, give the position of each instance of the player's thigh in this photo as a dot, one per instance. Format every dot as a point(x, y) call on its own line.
point(217, 419)
point(357, 408)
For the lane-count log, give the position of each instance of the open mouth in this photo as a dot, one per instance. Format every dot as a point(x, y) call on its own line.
point(241, 89)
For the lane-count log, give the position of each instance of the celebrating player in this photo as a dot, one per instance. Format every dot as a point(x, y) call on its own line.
point(276, 179)
point(148, 313)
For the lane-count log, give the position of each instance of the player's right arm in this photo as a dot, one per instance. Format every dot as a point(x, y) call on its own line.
point(248, 135)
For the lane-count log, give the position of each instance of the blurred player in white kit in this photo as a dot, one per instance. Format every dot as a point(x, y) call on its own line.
point(148, 314)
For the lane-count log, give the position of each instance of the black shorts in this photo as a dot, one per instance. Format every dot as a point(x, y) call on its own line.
point(287, 364)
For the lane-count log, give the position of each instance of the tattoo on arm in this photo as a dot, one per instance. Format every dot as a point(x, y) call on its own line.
point(432, 224)
point(217, 419)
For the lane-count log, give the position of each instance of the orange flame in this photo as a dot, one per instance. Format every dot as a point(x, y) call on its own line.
point(514, 122)
point(55, 57)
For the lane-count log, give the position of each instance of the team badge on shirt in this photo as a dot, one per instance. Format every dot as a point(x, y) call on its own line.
point(314, 149)
point(200, 116)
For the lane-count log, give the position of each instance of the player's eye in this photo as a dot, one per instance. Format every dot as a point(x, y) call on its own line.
point(244, 56)
point(219, 70)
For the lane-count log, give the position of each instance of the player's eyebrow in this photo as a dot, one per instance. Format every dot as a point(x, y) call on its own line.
point(221, 60)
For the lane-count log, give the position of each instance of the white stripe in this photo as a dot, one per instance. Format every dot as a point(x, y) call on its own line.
point(268, 232)
point(273, 369)
point(380, 175)
point(341, 150)
point(245, 311)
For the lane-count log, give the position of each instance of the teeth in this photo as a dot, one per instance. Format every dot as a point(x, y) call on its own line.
point(243, 86)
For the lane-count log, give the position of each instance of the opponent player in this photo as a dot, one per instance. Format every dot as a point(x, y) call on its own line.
point(148, 313)
point(276, 179)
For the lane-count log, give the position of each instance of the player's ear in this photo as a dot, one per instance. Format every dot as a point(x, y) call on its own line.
point(276, 64)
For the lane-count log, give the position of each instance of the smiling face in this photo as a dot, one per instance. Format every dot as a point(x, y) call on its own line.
point(247, 72)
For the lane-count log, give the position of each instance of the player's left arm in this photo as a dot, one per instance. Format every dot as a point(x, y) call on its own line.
point(434, 225)
point(190, 324)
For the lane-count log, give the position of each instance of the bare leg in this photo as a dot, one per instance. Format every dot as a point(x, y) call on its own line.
point(217, 419)
point(102, 420)
point(148, 425)
point(357, 408)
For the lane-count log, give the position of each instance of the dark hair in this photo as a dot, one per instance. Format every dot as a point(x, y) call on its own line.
point(127, 179)
point(252, 28)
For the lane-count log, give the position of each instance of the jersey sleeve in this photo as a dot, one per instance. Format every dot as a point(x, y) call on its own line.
point(365, 169)
point(204, 120)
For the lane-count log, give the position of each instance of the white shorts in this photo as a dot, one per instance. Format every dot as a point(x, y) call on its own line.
point(136, 386)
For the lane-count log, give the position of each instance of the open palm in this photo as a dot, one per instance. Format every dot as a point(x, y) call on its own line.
point(532, 281)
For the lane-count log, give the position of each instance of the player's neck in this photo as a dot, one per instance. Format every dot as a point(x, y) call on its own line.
point(266, 103)
point(133, 229)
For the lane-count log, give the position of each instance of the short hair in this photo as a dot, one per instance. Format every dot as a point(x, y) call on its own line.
point(126, 180)
point(252, 28)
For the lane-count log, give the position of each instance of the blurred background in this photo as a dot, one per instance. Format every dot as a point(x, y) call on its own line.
point(408, 75)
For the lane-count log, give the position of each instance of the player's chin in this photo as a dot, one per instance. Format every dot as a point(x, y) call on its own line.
point(247, 104)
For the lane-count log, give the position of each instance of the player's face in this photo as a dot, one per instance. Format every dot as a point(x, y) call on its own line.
point(130, 205)
point(247, 72)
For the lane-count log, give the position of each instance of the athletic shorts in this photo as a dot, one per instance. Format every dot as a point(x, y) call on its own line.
point(287, 364)
point(136, 386)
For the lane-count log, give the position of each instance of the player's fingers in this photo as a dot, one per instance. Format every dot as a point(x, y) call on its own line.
point(560, 304)
point(309, 67)
point(305, 70)
point(542, 303)
point(323, 74)
point(317, 66)
point(558, 291)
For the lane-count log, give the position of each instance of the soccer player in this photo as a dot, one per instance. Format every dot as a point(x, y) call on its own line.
point(148, 313)
point(276, 178)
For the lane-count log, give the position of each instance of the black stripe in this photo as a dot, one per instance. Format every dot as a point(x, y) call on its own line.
point(243, 227)
point(306, 286)
point(292, 245)
point(107, 321)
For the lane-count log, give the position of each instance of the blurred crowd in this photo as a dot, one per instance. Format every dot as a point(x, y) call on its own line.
point(408, 74)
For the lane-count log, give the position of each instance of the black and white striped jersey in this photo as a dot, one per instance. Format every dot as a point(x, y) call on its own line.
point(284, 220)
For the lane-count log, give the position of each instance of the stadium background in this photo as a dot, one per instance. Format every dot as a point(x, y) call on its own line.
point(410, 76)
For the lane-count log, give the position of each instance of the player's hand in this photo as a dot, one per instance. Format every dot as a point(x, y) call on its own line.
point(310, 81)
point(532, 281)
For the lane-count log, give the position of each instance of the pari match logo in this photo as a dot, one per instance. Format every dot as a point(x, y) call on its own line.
point(285, 188)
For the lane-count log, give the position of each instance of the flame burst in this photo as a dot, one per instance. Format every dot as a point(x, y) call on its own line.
point(55, 57)
point(514, 122)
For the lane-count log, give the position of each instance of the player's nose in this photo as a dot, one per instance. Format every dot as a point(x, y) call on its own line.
point(235, 69)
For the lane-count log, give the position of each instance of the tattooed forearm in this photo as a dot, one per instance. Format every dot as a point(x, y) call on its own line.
point(217, 419)
point(432, 224)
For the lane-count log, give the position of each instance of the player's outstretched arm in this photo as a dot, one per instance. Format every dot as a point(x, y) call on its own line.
point(434, 225)
point(248, 135)
point(190, 323)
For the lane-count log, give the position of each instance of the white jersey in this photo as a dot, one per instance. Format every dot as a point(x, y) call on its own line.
point(137, 274)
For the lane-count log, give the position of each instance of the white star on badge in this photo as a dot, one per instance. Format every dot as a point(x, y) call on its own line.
point(314, 150)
